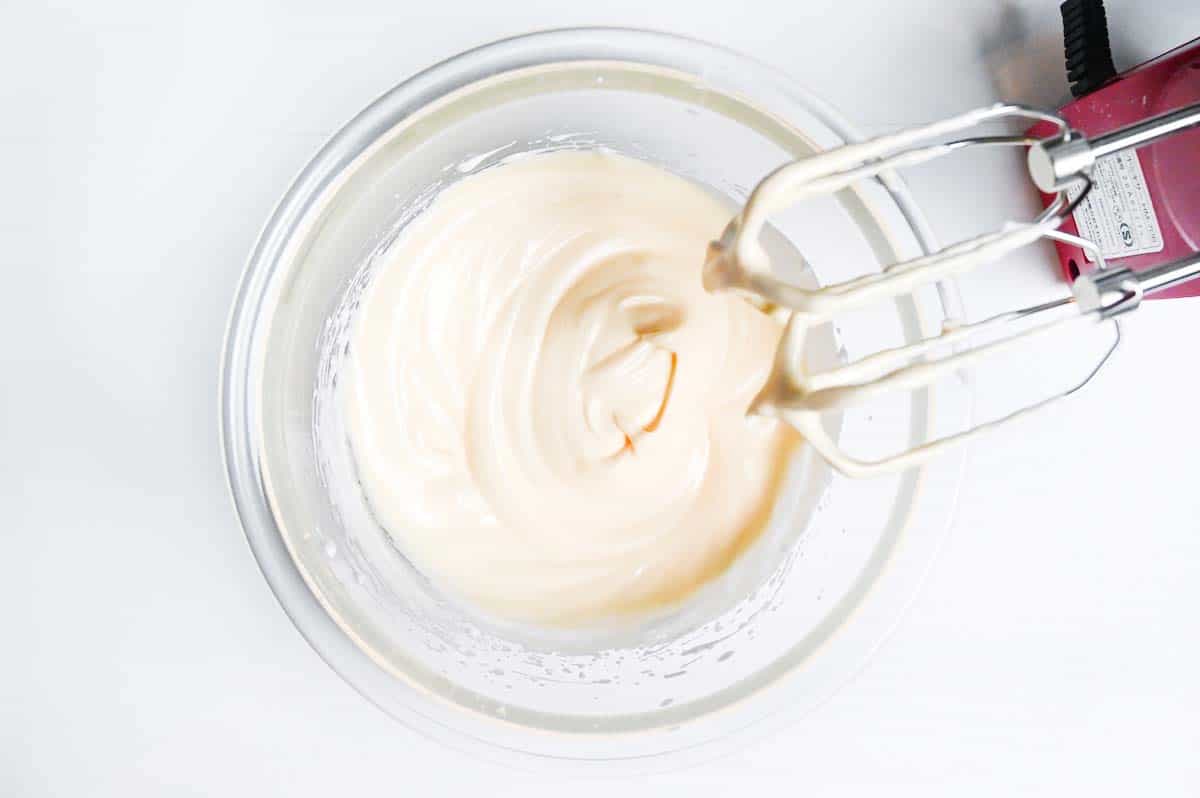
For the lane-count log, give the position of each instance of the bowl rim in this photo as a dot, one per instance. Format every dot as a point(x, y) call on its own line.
point(237, 384)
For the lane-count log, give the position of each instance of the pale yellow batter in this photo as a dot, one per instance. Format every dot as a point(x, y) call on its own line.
point(546, 408)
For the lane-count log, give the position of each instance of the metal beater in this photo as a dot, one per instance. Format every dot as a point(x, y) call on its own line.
point(1058, 163)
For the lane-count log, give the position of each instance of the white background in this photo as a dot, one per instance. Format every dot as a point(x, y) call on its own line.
point(1053, 650)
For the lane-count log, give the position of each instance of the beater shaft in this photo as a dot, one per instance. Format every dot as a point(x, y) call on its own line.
point(1112, 292)
point(1057, 163)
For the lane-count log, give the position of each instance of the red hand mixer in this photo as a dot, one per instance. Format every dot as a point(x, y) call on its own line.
point(1119, 168)
point(1143, 209)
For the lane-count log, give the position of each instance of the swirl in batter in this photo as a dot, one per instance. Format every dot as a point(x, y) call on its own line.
point(546, 408)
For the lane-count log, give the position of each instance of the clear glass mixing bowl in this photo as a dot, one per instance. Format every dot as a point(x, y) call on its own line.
point(792, 619)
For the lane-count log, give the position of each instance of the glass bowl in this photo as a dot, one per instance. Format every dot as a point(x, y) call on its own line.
point(801, 609)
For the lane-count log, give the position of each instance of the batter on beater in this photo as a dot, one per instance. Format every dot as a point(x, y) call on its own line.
point(547, 409)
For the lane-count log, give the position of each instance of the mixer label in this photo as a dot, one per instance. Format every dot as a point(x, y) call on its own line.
point(1117, 213)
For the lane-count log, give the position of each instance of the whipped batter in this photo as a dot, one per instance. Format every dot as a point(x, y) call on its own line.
point(547, 410)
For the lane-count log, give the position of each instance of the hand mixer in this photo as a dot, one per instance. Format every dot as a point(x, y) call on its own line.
point(1063, 162)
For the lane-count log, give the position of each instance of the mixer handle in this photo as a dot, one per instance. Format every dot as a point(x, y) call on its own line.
point(1057, 163)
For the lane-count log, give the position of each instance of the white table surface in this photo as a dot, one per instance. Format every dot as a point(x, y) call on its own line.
point(142, 144)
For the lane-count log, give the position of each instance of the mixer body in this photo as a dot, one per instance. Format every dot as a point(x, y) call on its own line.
point(1144, 209)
